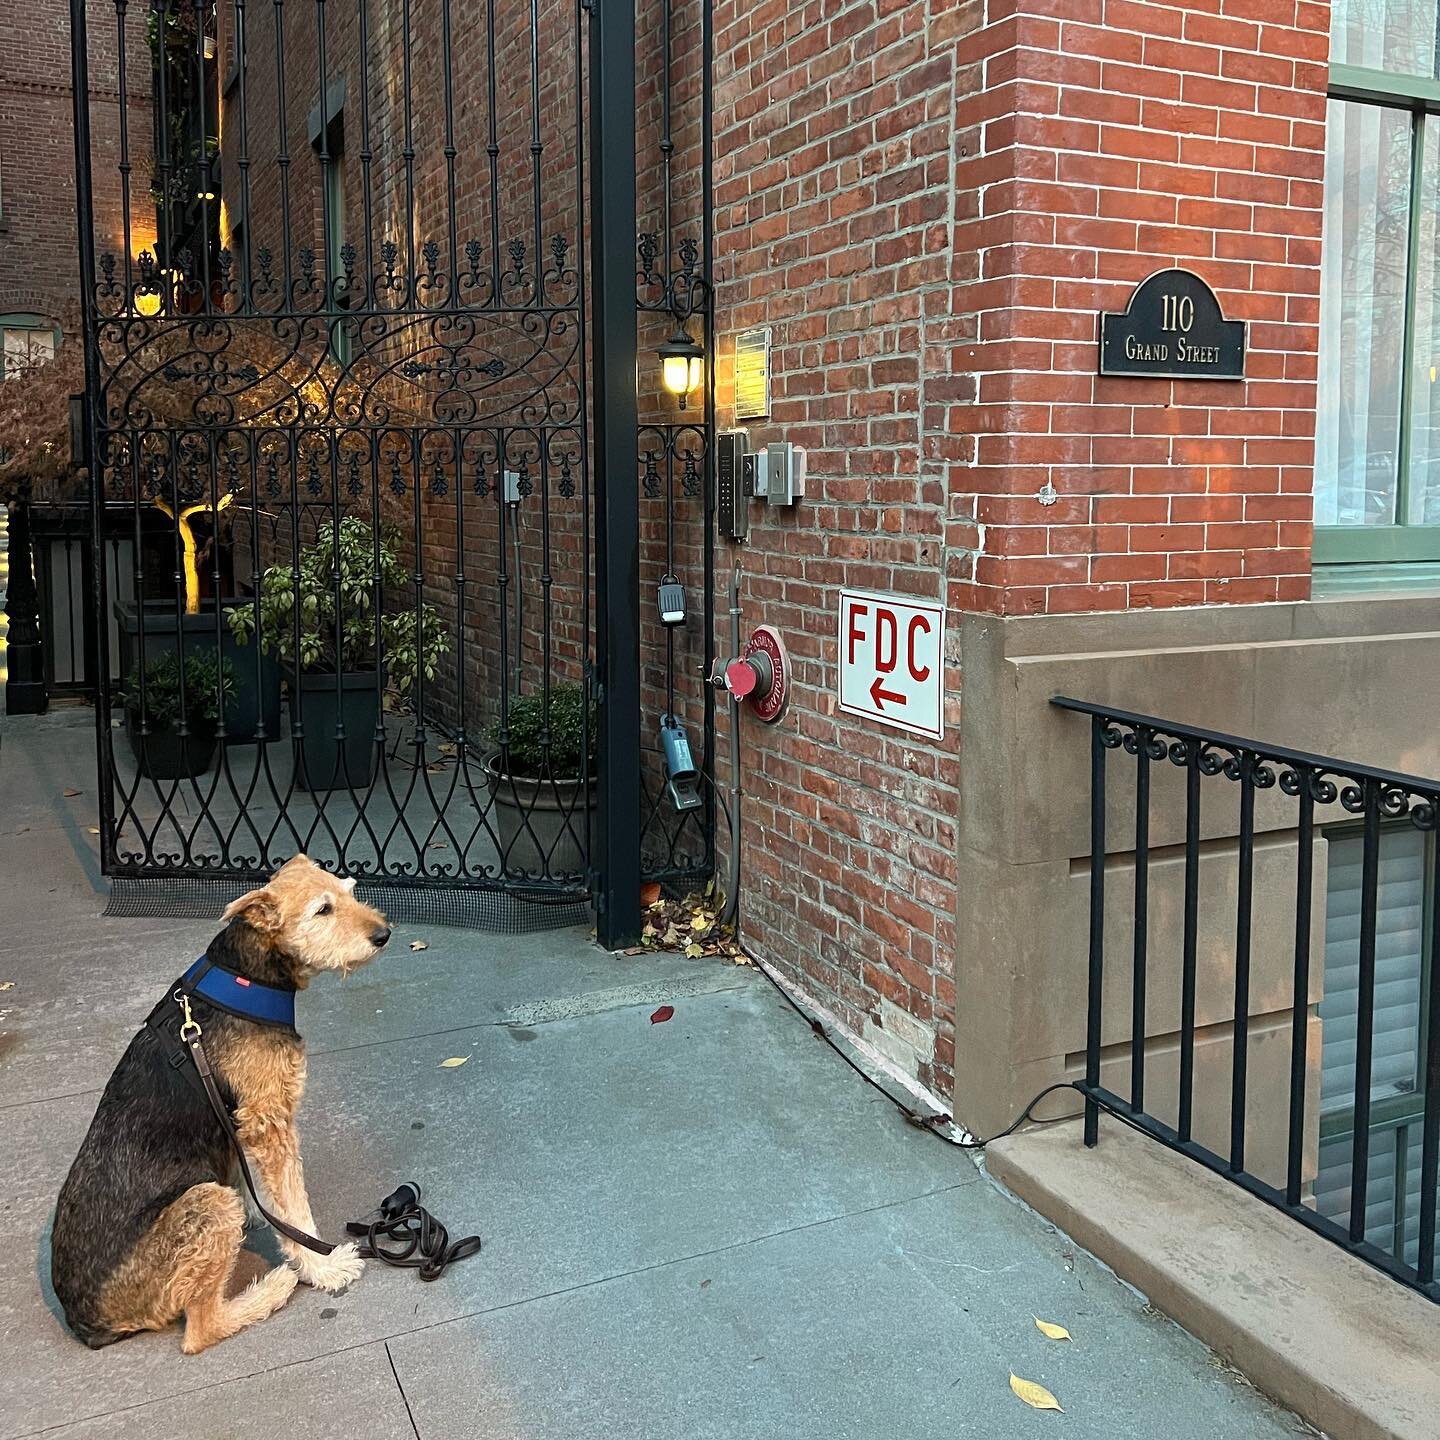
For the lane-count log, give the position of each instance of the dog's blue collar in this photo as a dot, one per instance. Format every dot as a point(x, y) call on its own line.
point(249, 999)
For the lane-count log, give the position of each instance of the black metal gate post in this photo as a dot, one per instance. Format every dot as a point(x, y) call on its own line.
point(84, 432)
point(617, 645)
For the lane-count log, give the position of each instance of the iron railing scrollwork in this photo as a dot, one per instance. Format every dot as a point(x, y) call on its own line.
point(1303, 795)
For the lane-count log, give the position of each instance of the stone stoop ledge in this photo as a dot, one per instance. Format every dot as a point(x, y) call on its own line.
point(1349, 1349)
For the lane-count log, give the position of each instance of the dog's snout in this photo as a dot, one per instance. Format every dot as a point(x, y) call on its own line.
point(380, 937)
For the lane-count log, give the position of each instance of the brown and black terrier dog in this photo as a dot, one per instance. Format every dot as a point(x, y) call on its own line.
point(149, 1223)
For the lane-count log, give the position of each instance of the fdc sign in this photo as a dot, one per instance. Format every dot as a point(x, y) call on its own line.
point(892, 661)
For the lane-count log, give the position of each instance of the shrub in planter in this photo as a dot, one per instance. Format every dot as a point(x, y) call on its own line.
point(324, 629)
point(154, 712)
point(542, 805)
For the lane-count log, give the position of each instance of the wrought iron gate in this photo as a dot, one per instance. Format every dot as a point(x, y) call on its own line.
point(345, 409)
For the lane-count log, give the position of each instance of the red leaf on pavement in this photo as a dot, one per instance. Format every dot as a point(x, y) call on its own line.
point(662, 1014)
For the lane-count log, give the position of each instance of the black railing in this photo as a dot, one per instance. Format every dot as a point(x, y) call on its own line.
point(1333, 1171)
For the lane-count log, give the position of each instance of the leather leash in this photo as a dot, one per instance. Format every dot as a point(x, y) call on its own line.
point(425, 1244)
point(190, 1038)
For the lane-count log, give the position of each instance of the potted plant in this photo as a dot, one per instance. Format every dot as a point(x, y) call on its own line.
point(324, 627)
point(542, 781)
point(171, 718)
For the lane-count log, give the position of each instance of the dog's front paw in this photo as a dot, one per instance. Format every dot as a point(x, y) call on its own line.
point(341, 1267)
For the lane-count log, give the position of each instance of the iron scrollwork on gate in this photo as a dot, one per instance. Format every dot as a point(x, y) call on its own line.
point(342, 406)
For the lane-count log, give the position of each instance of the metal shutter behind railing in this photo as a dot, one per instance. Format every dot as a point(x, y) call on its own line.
point(1398, 968)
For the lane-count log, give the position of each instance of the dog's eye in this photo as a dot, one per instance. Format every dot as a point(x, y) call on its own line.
point(325, 908)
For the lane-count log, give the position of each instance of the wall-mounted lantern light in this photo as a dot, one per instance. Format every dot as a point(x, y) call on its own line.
point(681, 365)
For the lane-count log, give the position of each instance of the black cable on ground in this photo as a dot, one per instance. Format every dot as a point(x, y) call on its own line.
point(930, 1123)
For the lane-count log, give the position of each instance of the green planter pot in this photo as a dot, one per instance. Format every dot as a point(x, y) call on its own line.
point(257, 689)
point(319, 705)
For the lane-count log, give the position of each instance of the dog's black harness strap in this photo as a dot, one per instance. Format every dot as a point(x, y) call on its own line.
point(222, 1114)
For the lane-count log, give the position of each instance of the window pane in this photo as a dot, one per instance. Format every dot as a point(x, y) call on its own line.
point(24, 349)
point(1425, 377)
point(1362, 314)
point(1394, 35)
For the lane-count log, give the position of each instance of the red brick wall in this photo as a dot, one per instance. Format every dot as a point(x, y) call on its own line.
point(930, 202)
point(835, 206)
point(38, 266)
point(1114, 138)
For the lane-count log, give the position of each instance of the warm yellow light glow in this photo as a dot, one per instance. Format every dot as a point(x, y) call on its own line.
point(681, 373)
point(190, 546)
point(204, 194)
point(147, 303)
point(676, 373)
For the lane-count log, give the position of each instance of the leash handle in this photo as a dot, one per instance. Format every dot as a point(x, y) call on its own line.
point(425, 1244)
point(190, 1034)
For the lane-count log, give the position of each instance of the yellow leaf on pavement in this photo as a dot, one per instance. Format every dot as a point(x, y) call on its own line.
point(1051, 1332)
point(693, 951)
point(700, 922)
point(1035, 1396)
point(418, 945)
point(454, 1062)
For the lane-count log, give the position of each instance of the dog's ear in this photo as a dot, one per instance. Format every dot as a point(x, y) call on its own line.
point(298, 861)
point(258, 909)
point(348, 884)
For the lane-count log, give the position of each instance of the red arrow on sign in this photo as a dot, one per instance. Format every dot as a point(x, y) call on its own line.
point(878, 692)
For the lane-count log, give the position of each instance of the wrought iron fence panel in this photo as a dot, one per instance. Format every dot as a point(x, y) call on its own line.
point(341, 399)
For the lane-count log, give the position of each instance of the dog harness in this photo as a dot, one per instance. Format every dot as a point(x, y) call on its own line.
point(239, 995)
point(424, 1243)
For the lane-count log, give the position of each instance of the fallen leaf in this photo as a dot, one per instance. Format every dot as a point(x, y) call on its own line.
point(662, 1014)
point(454, 1062)
point(650, 893)
point(418, 945)
point(449, 749)
point(71, 794)
point(1037, 1397)
point(1049, 1331)
point(694, 951)
point(634, 950)
point(743, 960)
point(7, 984)
point(438, 845)
point(649, 932)
point(700, 922)
point(671, 937)
point(92, 829)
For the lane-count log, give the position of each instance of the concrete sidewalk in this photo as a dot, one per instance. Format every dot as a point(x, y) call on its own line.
point(704, 1228)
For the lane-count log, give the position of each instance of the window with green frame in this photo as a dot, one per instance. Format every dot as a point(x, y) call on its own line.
point(1377, 440)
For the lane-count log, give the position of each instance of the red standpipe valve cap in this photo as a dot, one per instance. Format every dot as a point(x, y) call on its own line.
point(741, 678)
